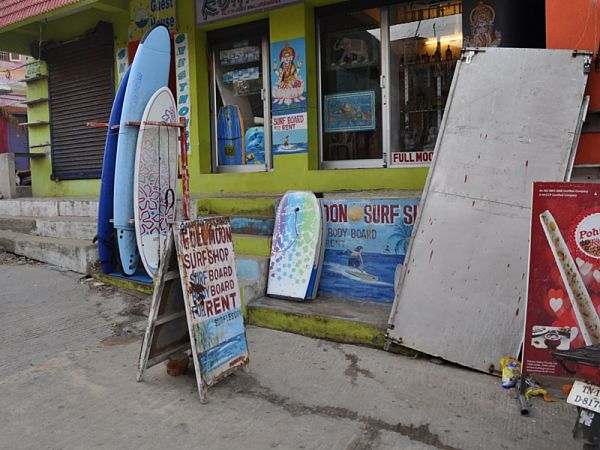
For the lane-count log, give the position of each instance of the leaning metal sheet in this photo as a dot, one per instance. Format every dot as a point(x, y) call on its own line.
point(513, 117)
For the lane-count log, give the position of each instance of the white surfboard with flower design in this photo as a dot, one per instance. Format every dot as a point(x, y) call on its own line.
point(155, 180)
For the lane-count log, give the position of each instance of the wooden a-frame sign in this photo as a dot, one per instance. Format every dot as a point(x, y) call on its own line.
point(196, 303)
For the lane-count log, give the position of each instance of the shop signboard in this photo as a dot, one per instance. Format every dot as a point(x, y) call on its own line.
point(563, 295)
point(288, 97)
point(212, 296)
point(214, 10)
point(146, 14)
point(365, 245)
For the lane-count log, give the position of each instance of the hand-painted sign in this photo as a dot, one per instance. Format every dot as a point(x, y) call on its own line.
point(288, 97)
point(212, 296)
point(145, 14)
point(365, 245)
point(214, 10)
point(412, 158)
point(563, 296)
point(182, 68)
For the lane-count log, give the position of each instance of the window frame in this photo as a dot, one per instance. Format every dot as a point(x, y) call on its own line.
point(386, 160)
point(266, 100)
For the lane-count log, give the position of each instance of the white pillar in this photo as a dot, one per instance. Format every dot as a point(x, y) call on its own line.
point(8, 182)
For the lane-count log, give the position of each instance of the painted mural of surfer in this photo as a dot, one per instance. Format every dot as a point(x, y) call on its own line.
point(289, 87)
point(355, 259)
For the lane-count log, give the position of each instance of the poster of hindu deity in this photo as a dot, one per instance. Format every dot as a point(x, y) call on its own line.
point(288, 96)
point(483, 28)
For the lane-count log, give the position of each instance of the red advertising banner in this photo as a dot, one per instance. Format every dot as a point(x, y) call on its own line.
point(564, 275)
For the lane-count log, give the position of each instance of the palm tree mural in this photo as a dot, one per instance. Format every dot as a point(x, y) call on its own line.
point(400, 238)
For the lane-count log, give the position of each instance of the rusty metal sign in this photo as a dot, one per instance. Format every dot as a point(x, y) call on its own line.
point(212, 298)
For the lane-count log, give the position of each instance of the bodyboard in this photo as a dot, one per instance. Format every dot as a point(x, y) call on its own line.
point(296, 250)
point(230, 136)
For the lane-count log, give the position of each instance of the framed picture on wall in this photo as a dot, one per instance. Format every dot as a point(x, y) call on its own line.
point(349, 111)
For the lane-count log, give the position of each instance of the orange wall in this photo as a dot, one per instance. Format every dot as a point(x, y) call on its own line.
point(575, 24)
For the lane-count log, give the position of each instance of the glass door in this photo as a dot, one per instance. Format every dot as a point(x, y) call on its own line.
point(240, 107)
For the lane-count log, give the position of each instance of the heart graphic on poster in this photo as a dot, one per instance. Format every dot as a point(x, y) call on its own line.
point(574, 333)
point(556, 303)
point(596, 276)
point(584, 267)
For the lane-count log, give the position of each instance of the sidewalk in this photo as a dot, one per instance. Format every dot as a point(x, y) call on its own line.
point(67, 381)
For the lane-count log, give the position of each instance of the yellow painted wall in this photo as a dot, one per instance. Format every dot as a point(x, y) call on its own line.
point(295, 171)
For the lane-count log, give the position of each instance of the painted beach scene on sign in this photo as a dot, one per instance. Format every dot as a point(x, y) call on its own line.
point(365, 244)
point(350, 111)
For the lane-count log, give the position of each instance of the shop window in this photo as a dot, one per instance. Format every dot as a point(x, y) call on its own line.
point(240, 98)
point(351, 120)
point(385, 74)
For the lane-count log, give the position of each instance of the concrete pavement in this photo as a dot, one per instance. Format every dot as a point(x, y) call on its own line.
point(67, 381)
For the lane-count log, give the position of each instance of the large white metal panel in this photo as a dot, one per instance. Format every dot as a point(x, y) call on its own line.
point(513, 117)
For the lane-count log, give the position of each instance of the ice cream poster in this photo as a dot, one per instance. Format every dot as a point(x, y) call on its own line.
point(365, 244)
point(563, 295)
point(288, 97)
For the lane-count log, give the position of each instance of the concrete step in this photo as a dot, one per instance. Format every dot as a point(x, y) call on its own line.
point(50, 207)
point(73, 254)
point(252, 244)
point(337, 319)
point(259, 225)
point(83, 228)
point(250, 205)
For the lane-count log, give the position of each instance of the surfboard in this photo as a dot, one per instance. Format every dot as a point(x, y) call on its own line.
point(296, 250)
point(148, 73)
point(230, 136)
point(155, 179)
point(107, 250)
point(361, 274)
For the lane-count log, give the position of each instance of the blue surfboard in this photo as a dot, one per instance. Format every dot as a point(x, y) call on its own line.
point(107, 249)
point(148, 73)
point(230, 134)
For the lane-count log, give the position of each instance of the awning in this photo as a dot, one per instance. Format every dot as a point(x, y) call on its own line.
point(14, 11)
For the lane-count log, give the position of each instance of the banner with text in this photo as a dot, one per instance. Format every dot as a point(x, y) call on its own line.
point(182, 79)
point(214, 10)
point(365, 245)
point(212, 295)
point(563, 296)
